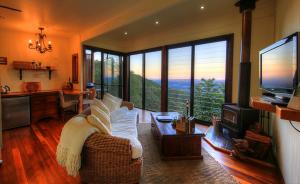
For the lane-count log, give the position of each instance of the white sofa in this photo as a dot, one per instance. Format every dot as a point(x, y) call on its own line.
point(124, 125)
point(115, 158)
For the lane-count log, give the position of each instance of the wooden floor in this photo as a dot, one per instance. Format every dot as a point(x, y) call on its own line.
point(29, 157)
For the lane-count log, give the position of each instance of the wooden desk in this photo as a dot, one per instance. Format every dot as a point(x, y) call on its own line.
point(77, 93)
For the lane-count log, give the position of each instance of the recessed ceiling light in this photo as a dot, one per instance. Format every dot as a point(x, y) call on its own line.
point(125, 33)
point(202, 7)
point(157, 22)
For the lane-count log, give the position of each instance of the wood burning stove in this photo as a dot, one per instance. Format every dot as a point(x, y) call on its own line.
point(236, 119)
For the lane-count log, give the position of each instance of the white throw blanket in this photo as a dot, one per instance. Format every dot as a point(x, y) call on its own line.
point(72, 139)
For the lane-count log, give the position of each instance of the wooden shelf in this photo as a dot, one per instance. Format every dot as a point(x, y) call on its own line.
point(281, 112)
point(40, 69)
point(27, 66)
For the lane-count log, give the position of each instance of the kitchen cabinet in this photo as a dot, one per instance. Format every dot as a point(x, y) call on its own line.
point(16, 112)
point(44, 105)
point(41, 104)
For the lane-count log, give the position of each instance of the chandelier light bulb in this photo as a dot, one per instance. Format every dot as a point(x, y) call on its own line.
point(40, 45)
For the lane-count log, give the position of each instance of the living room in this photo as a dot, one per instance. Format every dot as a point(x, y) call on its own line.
point(198, 60)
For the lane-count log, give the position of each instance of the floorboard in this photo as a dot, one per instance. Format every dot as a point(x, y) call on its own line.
point(29, 157)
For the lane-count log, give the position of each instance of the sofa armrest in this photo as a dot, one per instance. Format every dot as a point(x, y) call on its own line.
point(110, 148)
point(108, 159)
point(127, 104)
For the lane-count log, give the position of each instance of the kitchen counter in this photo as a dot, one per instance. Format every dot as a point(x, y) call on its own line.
point(19, 94)
point(74, 92)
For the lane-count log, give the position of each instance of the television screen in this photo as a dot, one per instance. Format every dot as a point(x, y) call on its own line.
point(279, 66)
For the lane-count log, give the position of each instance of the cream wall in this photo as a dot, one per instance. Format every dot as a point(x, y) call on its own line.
point(14, 46)
point(286, 138)
point(76, 47)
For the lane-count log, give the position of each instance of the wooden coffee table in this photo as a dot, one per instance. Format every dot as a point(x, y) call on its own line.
point(175, 145)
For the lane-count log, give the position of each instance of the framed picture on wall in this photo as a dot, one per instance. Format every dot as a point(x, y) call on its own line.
point(75, 68)
point(3, 60)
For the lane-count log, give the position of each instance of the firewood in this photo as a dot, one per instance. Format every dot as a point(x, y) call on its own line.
point(250, 135)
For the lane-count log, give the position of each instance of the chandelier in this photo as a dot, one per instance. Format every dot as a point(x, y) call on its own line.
point(40, 45)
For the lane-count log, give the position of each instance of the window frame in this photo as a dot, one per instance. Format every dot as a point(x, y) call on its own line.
point(125, 73)
point(143, 52)
point(229, 38)
point(91, 69)
point(176, 46)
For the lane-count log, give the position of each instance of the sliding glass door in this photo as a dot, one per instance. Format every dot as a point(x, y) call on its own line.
point(210, 73)
point(200, 72)
point(97, 69)
point(152, 80)
point(112, 74)
point(136, 80)
point(104, 69)
point(145, 80)
point(87, 66)
point(179, 79)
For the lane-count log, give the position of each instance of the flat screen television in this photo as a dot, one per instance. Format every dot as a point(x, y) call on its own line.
point(279, 67)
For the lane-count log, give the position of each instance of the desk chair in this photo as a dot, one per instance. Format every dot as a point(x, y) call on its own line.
point(65, 105)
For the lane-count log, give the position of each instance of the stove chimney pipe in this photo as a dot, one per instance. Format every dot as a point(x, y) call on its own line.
point(246, 7)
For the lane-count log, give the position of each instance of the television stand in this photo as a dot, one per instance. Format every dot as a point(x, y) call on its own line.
point(275, 101)
point(281, 112)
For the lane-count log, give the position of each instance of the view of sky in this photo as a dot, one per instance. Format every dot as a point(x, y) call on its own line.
point(112, 72)
point(210, 60)
point(136, 64)
point(153, 65)
point(180, 63)
point(97, 56)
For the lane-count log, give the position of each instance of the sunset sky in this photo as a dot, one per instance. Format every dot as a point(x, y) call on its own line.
point(210, 62)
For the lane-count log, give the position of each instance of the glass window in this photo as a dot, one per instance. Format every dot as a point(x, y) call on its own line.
point(136, 79)
point(179, 78)
point(112, 77)
point(152, 80)
point(88, 52)
point(87, 66)
point(97, 69)
point(210, 71)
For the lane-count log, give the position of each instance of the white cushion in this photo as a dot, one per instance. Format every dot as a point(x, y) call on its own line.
point(123, 124)
point(101, 105)
point(96, 122)
point(112, 103)
point(103, 117)
point(114, 98)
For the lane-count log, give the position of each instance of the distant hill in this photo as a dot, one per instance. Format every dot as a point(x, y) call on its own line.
point(153, 92)
point(209, 95)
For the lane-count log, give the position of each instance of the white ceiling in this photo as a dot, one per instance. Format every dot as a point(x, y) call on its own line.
point(103, 22)
point(174, 21)
point(175, 18)
point(70, 16)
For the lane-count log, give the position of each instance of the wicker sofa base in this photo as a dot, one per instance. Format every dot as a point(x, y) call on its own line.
point(107, 159)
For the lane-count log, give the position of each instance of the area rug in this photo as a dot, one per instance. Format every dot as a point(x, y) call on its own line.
point(157, 171)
